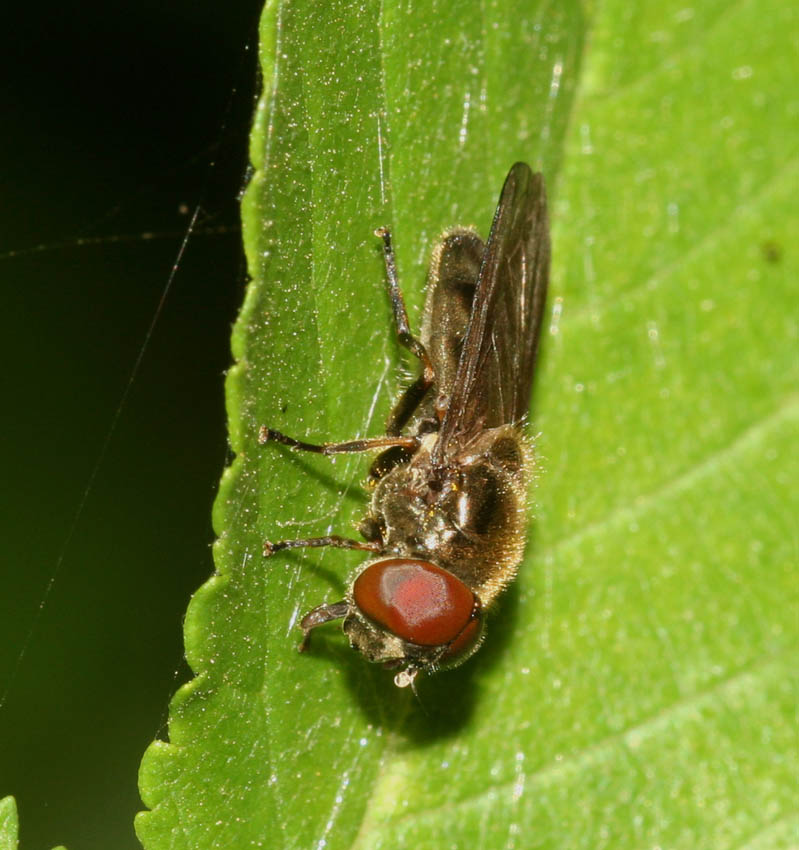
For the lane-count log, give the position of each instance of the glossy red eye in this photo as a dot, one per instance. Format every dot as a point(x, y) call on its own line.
point(415, 600)
point(466, 642)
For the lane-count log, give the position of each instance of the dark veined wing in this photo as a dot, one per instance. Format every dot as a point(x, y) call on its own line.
point(494, 376)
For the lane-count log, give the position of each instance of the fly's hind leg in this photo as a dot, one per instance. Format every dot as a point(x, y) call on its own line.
point(412, 397)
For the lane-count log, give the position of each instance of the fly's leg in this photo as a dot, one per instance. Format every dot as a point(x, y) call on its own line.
point(396, 448)
point(412, 397)
point(323, 613)
point(333, 540)
point(408, 402)
point(318, 617)
point(266, 435)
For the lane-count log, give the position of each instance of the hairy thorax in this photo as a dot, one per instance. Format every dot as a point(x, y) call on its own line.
point(470, 513)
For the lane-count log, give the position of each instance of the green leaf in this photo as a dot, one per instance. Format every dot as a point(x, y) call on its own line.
point(638, 684)
point(9, 824)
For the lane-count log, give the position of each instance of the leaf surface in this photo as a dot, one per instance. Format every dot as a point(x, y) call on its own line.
point(638, 684)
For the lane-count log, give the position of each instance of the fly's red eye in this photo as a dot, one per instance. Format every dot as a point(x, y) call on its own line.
point(415, 600)
point(466, 642)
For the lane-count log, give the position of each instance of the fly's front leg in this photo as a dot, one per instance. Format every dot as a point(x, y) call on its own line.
point(318, 617)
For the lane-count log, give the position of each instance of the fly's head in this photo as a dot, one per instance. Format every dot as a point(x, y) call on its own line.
point(408, 614)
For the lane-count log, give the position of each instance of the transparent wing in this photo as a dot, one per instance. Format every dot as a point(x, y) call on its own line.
point(493, 380)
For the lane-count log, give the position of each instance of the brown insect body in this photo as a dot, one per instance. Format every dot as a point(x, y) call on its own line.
point(447, 515)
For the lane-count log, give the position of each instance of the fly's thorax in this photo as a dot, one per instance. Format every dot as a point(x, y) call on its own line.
point(468, 517)
point(401, 503)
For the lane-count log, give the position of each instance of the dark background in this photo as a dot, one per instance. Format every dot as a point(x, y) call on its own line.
point(117, 121)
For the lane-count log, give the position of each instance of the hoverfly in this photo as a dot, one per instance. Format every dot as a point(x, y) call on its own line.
point(446, 523)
